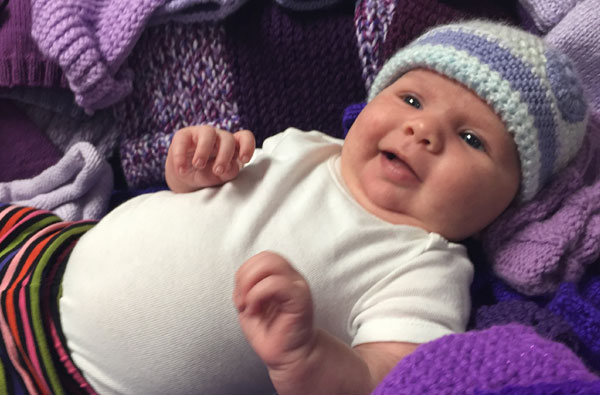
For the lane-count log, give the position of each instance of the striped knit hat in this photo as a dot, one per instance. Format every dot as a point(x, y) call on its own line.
point(531, 86)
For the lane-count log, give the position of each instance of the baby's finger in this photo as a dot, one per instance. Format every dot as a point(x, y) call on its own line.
point(180, 148)
point(258, 267)
point(246, 145)
point(206, 138)
point(226, 144)
point(276, 290)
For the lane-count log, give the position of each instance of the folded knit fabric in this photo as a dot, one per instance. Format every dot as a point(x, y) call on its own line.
point(24, 149)
point(571, 315)
point(567, 387)
point(553, 238)
point(90, 41)
point(21, 62)
point(580, 308)
point(306, 5)
point(76, 188)
point(547, 13)
point(187, 11)
point(525, 312)
point(66, 130)
point(578, 35)
point(556, 236)
point(60, 119)
point(485, 361)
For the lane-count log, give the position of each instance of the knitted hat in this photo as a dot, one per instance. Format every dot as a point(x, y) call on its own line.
point(531, 86)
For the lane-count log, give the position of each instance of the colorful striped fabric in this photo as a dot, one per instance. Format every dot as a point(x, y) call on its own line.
point(34, 246)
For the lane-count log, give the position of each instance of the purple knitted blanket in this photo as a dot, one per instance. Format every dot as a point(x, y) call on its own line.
point(500, 360)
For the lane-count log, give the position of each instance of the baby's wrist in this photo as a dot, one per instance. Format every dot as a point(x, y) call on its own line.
point(295, 364)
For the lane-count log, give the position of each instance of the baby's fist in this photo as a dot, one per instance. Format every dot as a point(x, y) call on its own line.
point(203, 156)
point(275, 309)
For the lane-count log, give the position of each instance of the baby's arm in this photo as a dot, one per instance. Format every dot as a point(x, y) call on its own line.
point(203, 156)
point(276, 314)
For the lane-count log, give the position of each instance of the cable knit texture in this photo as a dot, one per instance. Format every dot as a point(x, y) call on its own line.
point(21, 63)
point(485, 361)
point(533, 87)
point(90, 41)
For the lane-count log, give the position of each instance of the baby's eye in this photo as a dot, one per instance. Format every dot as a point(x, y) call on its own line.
point(411, 100)
point(472, 140)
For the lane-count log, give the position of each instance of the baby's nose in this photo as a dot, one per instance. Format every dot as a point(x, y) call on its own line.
point(427, 133)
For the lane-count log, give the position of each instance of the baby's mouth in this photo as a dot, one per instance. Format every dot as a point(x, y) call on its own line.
point(391, 156)
point(399, 163)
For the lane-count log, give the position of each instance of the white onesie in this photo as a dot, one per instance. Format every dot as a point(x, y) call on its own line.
point(147, 308)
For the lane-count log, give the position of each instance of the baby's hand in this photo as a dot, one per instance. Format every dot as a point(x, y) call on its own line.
point(275, 312)
point(204, 156)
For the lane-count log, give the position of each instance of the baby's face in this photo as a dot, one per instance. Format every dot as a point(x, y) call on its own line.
point(428, 152)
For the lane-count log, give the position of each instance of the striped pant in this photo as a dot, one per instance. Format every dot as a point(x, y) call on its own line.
point(34, 247)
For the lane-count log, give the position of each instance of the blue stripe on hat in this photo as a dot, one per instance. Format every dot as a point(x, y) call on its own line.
point(520, 78)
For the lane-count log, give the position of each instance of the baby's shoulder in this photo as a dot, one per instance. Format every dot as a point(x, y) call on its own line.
point(296, 139)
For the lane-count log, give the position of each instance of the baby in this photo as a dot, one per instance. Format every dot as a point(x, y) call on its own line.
point(341, 256)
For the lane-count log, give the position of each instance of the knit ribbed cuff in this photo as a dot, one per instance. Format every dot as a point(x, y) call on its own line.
point(31, 73)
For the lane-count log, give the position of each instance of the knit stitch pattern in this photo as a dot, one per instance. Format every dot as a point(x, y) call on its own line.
point(21, 62)
point(532, 87)
point(526, 312)
point(189, 11)
point(186, 80)
point(293, 68)
point(482, 361)
point(278, 71)
point(547, 13)
point(571, 315)
point(372, 19)
point(90, 41)
point(578, 35)
point(555, 237)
